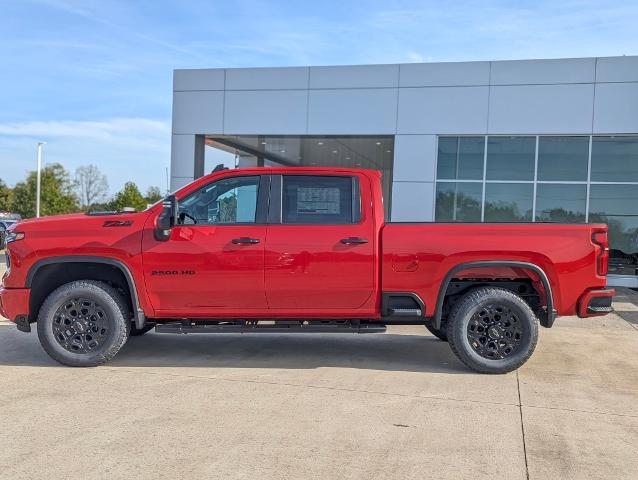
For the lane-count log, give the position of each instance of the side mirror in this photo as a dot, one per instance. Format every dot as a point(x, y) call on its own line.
point(166, 219)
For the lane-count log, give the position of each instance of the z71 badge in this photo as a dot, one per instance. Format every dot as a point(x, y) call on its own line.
point(117, 223)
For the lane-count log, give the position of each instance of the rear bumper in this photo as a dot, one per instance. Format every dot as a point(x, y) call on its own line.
point(14, 304)
point(595, 303)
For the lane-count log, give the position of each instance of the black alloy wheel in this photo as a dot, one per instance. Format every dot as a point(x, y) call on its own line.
point(495, 331)
point(81, 325)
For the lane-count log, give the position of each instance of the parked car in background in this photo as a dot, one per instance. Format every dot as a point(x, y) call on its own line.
point(6, 220)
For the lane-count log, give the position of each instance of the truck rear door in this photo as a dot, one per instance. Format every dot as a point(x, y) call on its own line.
point(320, 247)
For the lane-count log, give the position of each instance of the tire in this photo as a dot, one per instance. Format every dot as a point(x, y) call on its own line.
point(83, 323)
point(441, 333)
point(138, 332)
point(492, 330)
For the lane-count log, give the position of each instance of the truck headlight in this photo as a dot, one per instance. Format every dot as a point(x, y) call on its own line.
point(13, 237)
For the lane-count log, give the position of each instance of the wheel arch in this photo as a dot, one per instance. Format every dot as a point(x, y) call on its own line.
point(86, 260)
point(546, 320)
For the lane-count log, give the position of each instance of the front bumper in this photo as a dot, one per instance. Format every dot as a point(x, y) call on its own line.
point(595, 303)
point(14, 304)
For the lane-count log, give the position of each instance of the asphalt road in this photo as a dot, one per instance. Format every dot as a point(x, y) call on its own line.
point(396, 405)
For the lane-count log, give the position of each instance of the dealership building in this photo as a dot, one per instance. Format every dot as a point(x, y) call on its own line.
point(501, 141)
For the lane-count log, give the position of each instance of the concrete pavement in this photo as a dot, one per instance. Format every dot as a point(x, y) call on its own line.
point(397, 405)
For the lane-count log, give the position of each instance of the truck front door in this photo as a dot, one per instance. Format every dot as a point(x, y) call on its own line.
point(320, 245)
point(213, 263)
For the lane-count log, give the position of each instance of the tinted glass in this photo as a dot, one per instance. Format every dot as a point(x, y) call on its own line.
point(460, 158)
point(614, 159)
point(617, 205)
point(319, 200)
point(508, 202)
point(510, 158)
point(563, 158)
point(458, 202)
point(561, 203)
point(227, 201)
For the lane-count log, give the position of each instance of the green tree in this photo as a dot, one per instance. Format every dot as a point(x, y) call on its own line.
point(6, 195)
point(56, 196)
point(129, 196)
point(153, 194)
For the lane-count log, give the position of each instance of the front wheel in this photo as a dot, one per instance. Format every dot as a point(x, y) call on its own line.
point(492, 330)
point(83, 323)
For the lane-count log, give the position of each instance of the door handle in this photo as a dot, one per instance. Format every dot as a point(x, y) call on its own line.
point(245, 241)
point(353, 241)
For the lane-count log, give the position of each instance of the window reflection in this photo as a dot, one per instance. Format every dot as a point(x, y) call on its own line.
point(458, 202)
point(563, 158)
point(510, 158)
point(460, 158)
point(508, 202)
point(614, 159)
point(561, 203)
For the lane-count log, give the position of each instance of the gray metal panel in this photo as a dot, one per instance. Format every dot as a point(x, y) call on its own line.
point(183, 156)
point(616, 108)
point(267, 78)
point(541, 109)
point(617, 69)
point(444, 74)
point(199, 79)
point(198, 112)
point(443, 110)
point(355, 76)
point(266, 112)
point(415, 158)
point(412, 202)
point(526, 72)
point(357, 111)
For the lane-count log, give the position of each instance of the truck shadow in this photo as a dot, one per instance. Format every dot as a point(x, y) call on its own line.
point(390, 352)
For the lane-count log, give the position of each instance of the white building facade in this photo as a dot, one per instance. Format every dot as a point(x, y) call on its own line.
point(501, 141)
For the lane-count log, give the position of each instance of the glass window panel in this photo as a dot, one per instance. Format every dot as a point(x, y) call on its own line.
point(458, 202)
point(617, 205)
point(508, 202)
point(231, 200)
point(563, 158)
point(460, 158)
point(560, 203)
point(614, 159)
point(319, 200)
point(510, 158)
point(446, 159)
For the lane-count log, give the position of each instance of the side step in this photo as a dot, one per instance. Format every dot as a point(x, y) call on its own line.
point(310, 326)
point(405, 312)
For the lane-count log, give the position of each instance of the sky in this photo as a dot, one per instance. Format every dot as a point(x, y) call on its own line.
point(93, 79)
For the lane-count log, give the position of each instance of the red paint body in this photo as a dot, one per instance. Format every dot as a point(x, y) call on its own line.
point(304, 270)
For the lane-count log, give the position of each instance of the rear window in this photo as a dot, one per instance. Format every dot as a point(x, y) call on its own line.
point(309, 199)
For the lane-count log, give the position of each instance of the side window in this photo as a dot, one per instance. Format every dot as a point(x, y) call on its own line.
point(227, 201)
point(309, 199)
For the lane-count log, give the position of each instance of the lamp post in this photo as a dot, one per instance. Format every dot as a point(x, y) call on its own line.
point(37, 188)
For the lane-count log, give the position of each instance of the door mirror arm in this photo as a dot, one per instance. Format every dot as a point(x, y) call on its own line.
point(166, 220)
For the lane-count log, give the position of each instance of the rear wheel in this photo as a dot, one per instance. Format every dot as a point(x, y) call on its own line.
point(83, 323)
point(492, 330)
point(440, 333)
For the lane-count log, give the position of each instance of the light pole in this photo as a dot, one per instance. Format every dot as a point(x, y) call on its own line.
point(37, 188)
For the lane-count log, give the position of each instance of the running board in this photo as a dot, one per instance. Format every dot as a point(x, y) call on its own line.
point(277, 327)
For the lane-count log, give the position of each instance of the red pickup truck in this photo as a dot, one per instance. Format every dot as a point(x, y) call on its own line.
point(296, 250)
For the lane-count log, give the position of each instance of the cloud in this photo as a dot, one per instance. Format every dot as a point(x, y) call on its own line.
point(124, 149)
